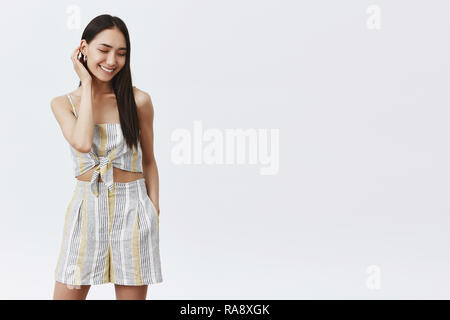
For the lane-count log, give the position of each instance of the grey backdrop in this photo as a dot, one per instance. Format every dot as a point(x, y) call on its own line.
point(359, 205)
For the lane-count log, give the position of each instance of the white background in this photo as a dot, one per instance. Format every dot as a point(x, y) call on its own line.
point(363, 174)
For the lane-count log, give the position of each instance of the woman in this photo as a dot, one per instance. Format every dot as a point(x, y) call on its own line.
point(111, 228)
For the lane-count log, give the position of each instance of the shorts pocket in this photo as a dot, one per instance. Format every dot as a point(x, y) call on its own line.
point(153, 208)
point(73, 210)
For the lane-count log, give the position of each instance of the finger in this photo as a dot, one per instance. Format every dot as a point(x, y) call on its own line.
point(75, 58)
point(75, 52)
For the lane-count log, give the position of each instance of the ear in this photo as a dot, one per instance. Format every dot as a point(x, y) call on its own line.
point(83, 47)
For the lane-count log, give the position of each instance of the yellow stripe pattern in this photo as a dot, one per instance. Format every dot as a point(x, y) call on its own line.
point(135, 251)
point(82, 250)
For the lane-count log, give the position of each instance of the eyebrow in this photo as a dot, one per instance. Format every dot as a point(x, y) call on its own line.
point(107, 45)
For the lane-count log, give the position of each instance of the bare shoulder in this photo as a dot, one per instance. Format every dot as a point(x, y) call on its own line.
point(143, 99)
point(60, 104)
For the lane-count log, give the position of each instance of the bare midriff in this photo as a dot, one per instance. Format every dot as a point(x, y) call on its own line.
point(119, 175)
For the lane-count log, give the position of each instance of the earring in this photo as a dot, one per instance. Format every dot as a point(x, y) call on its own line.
point(84, 58)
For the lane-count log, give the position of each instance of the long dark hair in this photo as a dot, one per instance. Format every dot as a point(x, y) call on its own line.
point(121, 83)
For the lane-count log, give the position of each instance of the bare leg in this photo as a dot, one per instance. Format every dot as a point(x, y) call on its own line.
point(70, 292)
point(130, 292)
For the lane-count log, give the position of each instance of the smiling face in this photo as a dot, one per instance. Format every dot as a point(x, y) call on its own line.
point(106, 54)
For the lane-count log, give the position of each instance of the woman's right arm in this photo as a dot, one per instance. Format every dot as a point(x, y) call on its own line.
point(83, 131)
point(79, 132)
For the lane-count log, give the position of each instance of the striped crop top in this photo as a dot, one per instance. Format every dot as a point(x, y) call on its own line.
point(109, 150)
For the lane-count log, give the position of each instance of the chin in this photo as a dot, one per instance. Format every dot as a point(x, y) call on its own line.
point(103, 78)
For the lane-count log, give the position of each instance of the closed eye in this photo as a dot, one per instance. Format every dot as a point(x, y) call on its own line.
point(122, 55)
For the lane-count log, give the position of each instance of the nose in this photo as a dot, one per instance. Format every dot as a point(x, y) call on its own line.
point(111, 60)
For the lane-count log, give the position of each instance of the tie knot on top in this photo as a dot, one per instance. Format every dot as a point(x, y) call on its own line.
point(105, 171)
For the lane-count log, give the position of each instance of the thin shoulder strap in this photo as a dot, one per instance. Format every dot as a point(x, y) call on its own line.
point(73, 107)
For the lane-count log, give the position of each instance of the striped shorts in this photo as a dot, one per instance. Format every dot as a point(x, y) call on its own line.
point(112, 238)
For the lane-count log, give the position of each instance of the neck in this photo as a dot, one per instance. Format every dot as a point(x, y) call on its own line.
point(100, 88)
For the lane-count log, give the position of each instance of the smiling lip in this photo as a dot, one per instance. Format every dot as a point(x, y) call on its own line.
point(105, 69)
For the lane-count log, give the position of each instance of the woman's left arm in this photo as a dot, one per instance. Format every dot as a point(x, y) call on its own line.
point(146, 115)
